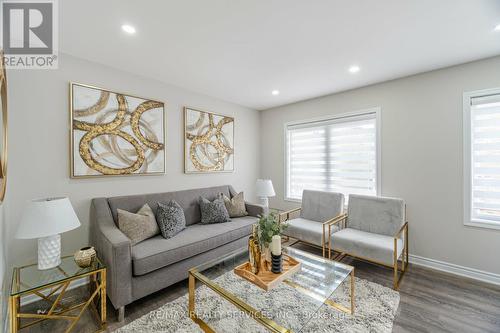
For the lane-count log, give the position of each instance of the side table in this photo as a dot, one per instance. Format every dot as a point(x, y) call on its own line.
point(51, 285)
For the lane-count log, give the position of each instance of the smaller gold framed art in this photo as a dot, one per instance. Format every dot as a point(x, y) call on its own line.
point(115, 134)
point(208, 142)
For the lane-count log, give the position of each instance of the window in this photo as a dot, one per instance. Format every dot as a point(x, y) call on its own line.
point(337, 154)
point(482, 158)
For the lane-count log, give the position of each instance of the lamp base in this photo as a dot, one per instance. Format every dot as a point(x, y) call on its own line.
point(49, 252)
point(264, 201)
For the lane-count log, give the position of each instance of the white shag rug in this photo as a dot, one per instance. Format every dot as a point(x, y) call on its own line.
point(375, 308)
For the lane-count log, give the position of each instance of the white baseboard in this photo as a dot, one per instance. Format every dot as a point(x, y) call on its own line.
point(472, 273)
point(75, 284)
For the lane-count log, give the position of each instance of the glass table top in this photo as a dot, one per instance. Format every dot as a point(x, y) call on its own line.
point(310, 287)
point(29, 277)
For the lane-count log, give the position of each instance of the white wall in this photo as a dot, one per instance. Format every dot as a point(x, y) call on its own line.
point(39, 145)
point(421, 155)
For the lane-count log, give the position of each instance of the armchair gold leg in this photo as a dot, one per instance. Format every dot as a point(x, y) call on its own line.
point(395, 259)
point(404, 259)
point(323, 241)
point(329, 241)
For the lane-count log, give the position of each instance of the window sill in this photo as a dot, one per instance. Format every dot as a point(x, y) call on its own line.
point(483, 224)
point(293, 200)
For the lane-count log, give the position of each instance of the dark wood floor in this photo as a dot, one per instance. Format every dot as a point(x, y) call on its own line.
point(431, 301)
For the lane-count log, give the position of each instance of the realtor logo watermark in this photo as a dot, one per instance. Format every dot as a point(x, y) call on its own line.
point(29, 34)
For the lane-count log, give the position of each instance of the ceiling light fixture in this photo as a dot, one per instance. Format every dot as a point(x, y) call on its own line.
point(275, 92)
point(497, 28)
point(128, 29)
point(354, 69)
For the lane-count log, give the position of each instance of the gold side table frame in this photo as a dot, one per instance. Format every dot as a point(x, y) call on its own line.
point(54, 297)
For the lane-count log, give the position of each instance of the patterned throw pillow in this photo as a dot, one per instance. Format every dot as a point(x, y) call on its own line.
point(170, 218)
point(139, 226)
point(213, 212)
point(235, 206)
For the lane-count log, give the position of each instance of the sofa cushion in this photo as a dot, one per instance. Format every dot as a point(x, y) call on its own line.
point(139, 226)
point(321, 206)
point(236, 206)
point(213, 211)
point(376, 247)
point(170, 217)
point(378, 215)
point(187, 199)
point(158, 252)
point(307, 230)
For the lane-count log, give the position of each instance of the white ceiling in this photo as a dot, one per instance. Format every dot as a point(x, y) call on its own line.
point(240, 50)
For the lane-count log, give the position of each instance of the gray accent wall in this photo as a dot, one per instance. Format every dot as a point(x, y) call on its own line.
point(422, 152)
point(39, 146)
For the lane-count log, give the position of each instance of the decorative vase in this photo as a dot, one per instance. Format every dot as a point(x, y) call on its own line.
point(267, 253)
point(254, 255)
point(85, 256)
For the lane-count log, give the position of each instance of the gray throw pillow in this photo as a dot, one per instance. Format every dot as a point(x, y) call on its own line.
point(213, 212)
point(236, 205)
point(139, 226)
point(171, 219)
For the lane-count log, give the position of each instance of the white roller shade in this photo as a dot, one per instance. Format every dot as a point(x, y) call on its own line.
point(337, 155)
point(485, 158)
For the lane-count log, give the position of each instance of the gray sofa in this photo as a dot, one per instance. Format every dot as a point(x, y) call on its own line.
point(151, 265)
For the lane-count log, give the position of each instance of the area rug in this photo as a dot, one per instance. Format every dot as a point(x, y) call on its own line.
point(376, 307)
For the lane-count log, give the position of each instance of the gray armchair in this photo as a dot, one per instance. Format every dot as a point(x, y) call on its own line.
point(375, 229)
point(317, 219)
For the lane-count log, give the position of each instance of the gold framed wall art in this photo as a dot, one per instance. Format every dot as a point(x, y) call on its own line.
point(208, 142)
point(114, 134)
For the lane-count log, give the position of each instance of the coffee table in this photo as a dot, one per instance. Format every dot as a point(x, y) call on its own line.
point(318, 278)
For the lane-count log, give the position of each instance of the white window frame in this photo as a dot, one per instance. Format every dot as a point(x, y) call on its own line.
point(378, 145)
point(467, 150)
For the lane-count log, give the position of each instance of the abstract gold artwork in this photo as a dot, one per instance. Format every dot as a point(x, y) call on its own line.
point(115, 134)
point(208, 142)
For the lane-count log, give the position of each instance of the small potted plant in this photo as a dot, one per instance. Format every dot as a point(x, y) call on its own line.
point(268, 227)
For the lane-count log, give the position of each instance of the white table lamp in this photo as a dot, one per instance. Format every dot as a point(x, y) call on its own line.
point(265, 190)
point(46, 219)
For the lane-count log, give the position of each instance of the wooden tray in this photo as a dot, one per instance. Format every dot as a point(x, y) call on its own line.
point(266, 279)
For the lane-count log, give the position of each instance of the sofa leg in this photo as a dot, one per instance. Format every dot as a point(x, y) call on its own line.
point(121, 314)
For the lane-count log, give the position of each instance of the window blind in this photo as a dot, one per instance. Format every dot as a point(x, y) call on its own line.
point(336, 155)
point(485, 158)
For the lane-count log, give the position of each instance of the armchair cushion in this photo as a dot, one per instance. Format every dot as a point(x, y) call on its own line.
point(367, 245)
point(378, 215)
point(321, 206)
point(307, 230)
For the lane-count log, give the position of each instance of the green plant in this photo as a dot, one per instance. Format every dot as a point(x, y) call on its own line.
point(268, 227)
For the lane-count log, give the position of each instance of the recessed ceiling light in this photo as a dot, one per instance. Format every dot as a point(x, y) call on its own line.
point(354, 69)
point(497, 28)
point(275, 92)
point(128, 29)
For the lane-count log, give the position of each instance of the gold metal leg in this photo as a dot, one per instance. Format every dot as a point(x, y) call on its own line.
point(192, 285)
point(323, 241)
point(352, 291)
point(395, 259)
point(103, 298)
point(14, 309)
point(329, 241)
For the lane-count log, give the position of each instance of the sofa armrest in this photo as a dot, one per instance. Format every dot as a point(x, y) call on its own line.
point(255, 209)
point(113, 248)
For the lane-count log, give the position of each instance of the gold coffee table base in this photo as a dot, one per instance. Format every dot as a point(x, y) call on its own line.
point(195, 274)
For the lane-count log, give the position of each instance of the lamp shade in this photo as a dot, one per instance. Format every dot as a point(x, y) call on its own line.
point(47, 217)
point(265, 188)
